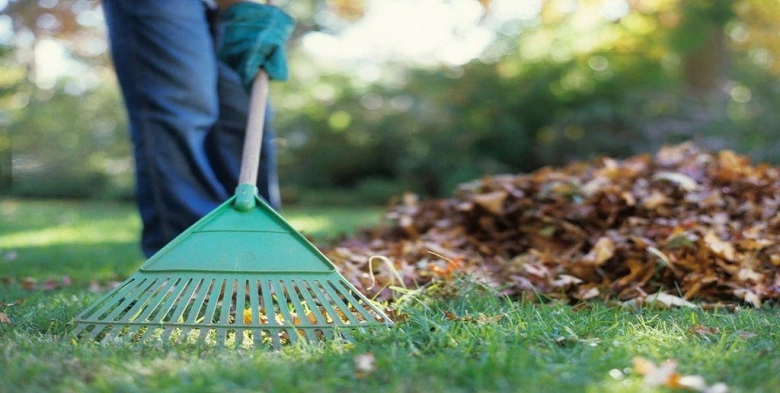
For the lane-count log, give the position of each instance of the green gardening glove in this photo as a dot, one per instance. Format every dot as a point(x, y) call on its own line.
point(254, 37)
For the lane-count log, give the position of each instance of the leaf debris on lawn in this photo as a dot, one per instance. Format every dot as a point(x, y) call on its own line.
point(684, 225)
point(666, 374)
point(364, 364)
point(4, 319)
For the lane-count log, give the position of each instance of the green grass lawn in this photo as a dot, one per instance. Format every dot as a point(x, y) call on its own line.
point(467, 341)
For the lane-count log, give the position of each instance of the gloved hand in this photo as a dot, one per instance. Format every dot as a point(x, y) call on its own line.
point(254, 37)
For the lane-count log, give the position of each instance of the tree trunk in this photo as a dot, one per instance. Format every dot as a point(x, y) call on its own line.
point(705, 68)
point(6, 170)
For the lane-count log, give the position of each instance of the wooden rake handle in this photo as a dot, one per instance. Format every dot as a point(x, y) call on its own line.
point(253, 140)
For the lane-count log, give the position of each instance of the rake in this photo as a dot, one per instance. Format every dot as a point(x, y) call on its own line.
point(241, 276)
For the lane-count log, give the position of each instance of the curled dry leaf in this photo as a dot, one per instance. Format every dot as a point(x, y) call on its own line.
point(480, 318)
point(4, 319)
point(661, 300)
point(602, 251)
point(492, 201)
point(684, 181)
point(702, 330)
point(29, 283)
point(718, 246)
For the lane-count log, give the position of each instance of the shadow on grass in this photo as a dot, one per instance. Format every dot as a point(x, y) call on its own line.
point(81, 262)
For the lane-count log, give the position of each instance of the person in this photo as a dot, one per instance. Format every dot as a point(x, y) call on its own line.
point(187, 94)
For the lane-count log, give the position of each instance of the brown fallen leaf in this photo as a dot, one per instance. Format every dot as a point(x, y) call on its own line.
point(484, 319)
point(719, 247)
point(4, 319)
point(480, 319)
point(749, 296)
point(602, 251)
point(703, 330)
point(29, 283)
point(492, 201)
point(13, 303)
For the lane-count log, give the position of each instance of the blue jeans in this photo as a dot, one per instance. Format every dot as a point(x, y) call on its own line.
point(187, 114)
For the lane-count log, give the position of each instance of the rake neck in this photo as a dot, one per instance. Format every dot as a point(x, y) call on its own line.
point(250, 160)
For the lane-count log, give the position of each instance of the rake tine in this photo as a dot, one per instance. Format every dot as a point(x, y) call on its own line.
point(203, 290)
point(220, 337)
point(327, 286)
point(322, 295)
point(240, 301)
point(296, 302)
point(283, 304)
point(153, 302)
point(103, 304)
point(276, 342)
point(270, 314)
point(254, 303)
point(97, 330)
point(172, 295)
point(114, 333)
point(224, 316)
point(257, 337)
point(191, 285)
point(227, 300)
point(356, 302)
point(211, 307)
point(130, 304)
point(306, 293)
point(79, 328)
point(132, 332)
point(293, 336)
point(254, 306)
point(124, 301)
point(346, 335)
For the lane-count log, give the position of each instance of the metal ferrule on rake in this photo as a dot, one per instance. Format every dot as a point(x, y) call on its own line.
point(240, 276)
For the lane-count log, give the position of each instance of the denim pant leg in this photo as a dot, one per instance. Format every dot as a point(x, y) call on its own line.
point(186, 164)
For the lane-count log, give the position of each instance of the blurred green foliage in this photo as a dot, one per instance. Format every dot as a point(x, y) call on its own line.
point(573, 82)
point(569, 85)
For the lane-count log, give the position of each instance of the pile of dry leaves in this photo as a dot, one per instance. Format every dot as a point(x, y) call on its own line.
point(686, 224)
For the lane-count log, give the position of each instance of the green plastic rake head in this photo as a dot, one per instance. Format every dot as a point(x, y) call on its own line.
point(240, 276)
